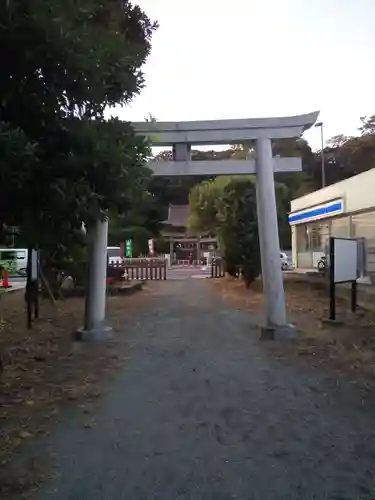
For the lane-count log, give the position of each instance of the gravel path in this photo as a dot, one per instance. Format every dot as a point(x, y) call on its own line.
point(202, 411)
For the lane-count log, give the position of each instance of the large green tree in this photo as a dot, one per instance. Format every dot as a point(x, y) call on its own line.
point(61, 162)
point(238, 227)
point(227, 207)
point(140, 221)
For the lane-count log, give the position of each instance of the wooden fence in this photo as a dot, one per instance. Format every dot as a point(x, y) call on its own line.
point(143, 269)
point(218, 268)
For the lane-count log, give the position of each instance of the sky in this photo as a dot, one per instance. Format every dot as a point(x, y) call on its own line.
point(220, 59)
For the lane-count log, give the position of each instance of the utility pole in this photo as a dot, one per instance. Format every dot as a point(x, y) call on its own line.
point(320, 125)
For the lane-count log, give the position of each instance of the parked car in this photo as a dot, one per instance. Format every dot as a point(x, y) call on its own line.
point(114, 256)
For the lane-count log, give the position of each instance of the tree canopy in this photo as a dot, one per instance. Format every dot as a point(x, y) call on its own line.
point(226, 206)
point(61, 162)
point(348, 156)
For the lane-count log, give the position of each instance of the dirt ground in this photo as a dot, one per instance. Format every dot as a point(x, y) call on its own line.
point(203, 410)
point(348, 346)
point(45, 372)
point(186, 402)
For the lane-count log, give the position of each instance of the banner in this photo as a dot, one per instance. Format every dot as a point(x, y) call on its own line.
point(151, 247)
point(128, 248)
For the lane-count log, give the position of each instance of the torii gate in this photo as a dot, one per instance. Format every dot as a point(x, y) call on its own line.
point(181, 136)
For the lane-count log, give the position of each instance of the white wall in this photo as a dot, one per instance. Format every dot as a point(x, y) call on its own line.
point(358, 193)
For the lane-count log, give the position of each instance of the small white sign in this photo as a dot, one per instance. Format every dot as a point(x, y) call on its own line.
point(345, 260)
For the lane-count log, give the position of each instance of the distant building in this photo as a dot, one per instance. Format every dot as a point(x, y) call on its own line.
point(176, 223)
point(184, 245)
point(345, 209)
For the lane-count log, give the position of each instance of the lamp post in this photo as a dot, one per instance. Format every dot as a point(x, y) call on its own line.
point(320, 125)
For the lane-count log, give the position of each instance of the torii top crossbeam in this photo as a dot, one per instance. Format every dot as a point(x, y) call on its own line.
point(224, 131)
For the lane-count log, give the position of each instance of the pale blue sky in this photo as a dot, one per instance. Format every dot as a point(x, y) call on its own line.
point(215, 59)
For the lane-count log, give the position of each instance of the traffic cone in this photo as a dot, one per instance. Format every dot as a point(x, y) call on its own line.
point(5, 283)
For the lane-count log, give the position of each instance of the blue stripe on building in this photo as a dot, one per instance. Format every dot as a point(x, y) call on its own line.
point(324, 211)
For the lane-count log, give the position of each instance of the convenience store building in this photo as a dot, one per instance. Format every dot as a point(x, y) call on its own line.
point(345, 209)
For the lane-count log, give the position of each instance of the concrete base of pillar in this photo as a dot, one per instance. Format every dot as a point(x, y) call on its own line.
point(332, 322)
point(286, 332)
point(103, 334)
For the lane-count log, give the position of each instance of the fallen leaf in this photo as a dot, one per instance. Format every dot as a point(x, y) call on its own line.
point(25, 434)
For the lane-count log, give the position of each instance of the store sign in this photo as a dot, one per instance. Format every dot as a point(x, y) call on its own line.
point(322, 211)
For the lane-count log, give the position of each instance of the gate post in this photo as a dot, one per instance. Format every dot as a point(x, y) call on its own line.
point(198, 250)
point(171, 248)
point(276, 324)
point(95, 328)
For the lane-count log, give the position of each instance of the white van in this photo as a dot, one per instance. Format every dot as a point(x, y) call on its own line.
point(114, 256)
point(14, 259)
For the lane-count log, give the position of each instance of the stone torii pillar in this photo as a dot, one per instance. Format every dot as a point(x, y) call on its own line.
point(95, 327)
point(276, 325)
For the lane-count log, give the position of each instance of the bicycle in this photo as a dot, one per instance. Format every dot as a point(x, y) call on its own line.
point(322, 264)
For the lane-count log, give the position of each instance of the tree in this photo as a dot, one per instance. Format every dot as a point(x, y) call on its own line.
point(337, 141)
point(227, 207)
point(71, 57)
point(347, 156)
point(298, 183)
point(140, 223)
point(203, 202)
point(367, 125)
point(105, 168)
point(61, 160)
point(238, 227)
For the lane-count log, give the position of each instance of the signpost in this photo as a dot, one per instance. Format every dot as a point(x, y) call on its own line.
point(343, 268)
point(129, 248)
point(32, 285)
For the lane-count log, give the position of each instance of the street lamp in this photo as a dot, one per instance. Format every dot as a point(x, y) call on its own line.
point(320, 125)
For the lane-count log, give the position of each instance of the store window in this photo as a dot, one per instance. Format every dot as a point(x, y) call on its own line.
point(364, 227)
point(319, 236)
point(302, 238)
point(312, 242)
point(340, 227)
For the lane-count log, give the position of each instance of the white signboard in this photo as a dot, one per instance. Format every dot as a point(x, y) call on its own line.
point(345, 261)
